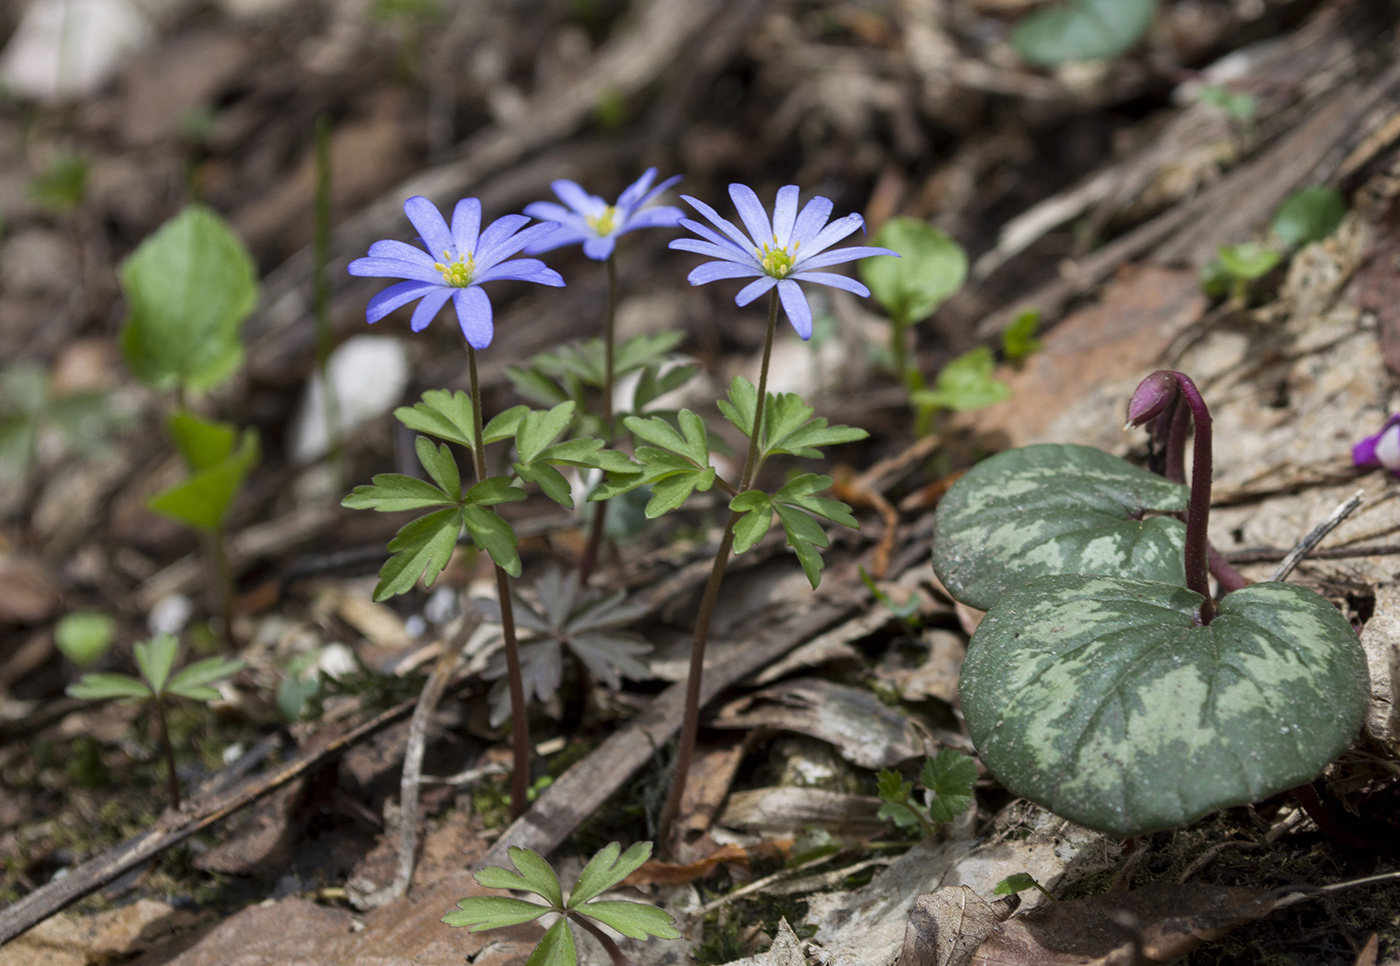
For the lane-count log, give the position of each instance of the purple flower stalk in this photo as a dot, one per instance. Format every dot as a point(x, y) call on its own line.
point(1380, 450)
point(457, 262)
point(783, 252)
point(591, 220)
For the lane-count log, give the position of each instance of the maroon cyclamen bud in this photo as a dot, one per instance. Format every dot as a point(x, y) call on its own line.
point(1153, 396)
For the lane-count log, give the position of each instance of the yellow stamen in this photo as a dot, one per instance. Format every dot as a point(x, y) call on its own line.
point(458, 274)
point(605, 223)
point(776, 260)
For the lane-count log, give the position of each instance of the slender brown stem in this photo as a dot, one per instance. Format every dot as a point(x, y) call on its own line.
point(614, 951)
point(600, 509)
point(171, 781)
point(1198, 510)
point(690, 725)
point(519, 719)
point(217, 558)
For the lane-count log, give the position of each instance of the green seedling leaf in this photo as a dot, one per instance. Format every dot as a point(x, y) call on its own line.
point(441, 466)
point(391, 492)
point(494, 535)
point(634, 919)
point(556, 948)
point(193, 681)
point(155, 658)
point(535, 875)
point(901, 815)
point(100, 687)
point(965, 384)
point(1106, 701)
point(1013, 884)
point(1055, 509)
point(1248, 260)
point(538, 429)
point(1019, 341)
point(892, 787)
point(931, 267)
point(493, 912)
point(949, 776)
point(1309, 215)
point(203, 500)
point(421, 548)
point(84, 636)
point(606, 869)
point(1082, 30)
point(201, 443)
point(189, 288)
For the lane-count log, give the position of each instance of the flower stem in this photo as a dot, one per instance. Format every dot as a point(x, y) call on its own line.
point(690, 726)
point(519, 719)
point(600, 509)
point(172, 783)
point(899, 349)
point(1198, 509)
point(614, 952)
point(217, 557)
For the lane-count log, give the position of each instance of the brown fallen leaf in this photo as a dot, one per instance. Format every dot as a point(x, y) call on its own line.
point(677, 873)
point(946, 927)
point(1168, 920)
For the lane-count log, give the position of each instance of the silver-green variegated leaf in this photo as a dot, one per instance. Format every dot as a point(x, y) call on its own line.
point(1055, 509)
point(1105, 701)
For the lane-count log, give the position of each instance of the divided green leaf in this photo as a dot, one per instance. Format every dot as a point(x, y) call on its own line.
point(493, 912)
point(491, 533)
point(189, 288)
point(1106, 701)
point(965, 384)
point(534, 875)
point(606, 869)
point(1055, 509)
point(634, 919)
point(949, 776)
point(193, 681)
point(931, 267)
point(421, 548)
point(391, 492)
point(100, 687)
point(1082, 30)
point(540, 428)
point(155, 658)
point(556, 948)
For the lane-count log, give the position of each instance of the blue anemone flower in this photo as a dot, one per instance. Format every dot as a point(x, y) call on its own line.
point(591, 220)
point(468, 256)
point(782, 252)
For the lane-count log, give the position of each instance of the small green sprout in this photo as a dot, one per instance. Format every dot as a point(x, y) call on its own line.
point(534, 875)
point(964, 384)
point(1019, 882)
point(1236, 105)
point(1019, 341)
point(1309, 215)
point(1235, 267)
point(84, 636)
point(156, 659)
point(947, 780)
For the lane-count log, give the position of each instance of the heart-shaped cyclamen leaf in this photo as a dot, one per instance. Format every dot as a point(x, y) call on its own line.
point(1108, 703)
point(1055, 509)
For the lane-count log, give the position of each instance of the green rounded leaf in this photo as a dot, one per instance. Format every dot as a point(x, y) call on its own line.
point(931, 267)
point(1248, 260)
point(1082, 30)
point(1105, 700)
point(1309, 215)
point(189, 288)
point(85, 635)
point(1055, 509)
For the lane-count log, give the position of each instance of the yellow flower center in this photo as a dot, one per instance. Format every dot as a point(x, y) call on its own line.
point(458, 274)
point(776, 260)
point(605, 223)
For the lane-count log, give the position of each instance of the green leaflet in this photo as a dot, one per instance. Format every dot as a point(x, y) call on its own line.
point(1055, 509)
point(422, 547)
point(1103, 700)
point(606, 869)
point(217, 471)
point(1082, 30)
point(931, 267)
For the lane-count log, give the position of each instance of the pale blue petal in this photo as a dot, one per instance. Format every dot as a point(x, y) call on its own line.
point(549, 211)
point(599, 248)
point(751, 211)
point(714, 271)
point(719, 222)
point(744, 250)
point(393, 268)
point(567, 235)
point(814, 215)
point(402, 251)
point(632, 195)
point(524, 270)
point(431, 227)
point(428, 309)
point(395, 296)
point(835, 281)
point(785, 213)
point(576, 198)
point(753, 290)
point(474, 314)
point(832, 234)
point(794, 301)
point(725, 252)
point(654, 192)
point(466, 224)
point(500, 234)
point(839, 255)
point(662, 216)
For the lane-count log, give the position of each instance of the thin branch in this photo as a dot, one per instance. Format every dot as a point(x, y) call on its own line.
point(1305, 546)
